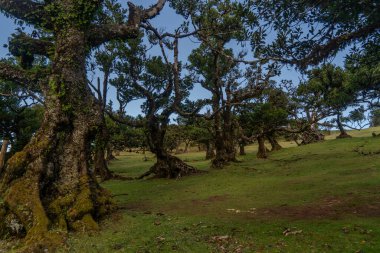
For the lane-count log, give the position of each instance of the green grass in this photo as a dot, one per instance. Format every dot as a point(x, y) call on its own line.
point(330, 191)
point(327, 194)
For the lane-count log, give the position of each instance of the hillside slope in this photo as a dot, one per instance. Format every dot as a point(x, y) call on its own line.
point(323, 197)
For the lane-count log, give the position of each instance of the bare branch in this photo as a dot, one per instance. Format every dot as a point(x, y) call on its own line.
point(154, 10)
point(100, 34)
point(149, 27)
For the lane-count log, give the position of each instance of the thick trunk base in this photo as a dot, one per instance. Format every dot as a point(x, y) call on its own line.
point(262, 152)
point(276, 147)
point(221, 161)
point(170, 167)
point(311, 136)
point(343, 135)
point(49, 190)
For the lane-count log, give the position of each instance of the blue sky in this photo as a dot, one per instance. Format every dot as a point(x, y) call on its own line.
point(167, 20)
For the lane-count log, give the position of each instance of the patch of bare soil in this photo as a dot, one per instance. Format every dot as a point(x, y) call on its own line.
point(211, 199)
point(330, 207)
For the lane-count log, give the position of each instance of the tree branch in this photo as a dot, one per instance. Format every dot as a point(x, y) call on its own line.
point(21, 44)
point(127, 122)
point(9, 72)
point(100, 34)
point(320, 52)
point(154, 10)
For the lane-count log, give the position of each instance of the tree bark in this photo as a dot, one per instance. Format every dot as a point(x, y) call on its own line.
point(109, 153)
point(210, 154)
point(100, 163)
point(343, 134)
point(48, 186)
point(262, 150)
point(311, 136)
point(3, 152)
point(273, 142)
point(167, 166)
point(224, 143)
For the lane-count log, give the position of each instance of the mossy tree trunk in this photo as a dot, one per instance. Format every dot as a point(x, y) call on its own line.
point(48, 184)
point(224, 142)
point(48, 187)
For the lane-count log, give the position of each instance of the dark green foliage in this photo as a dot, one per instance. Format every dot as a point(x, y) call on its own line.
point(266, 115)
point(125, 137)
point(311, 31)
point(330, 84)
point(18, 120)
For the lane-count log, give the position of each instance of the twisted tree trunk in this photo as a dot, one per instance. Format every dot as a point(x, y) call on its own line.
point(48, 185)
point(224, 142)
point(167, 166)
point(343, 134)
point(273, 142)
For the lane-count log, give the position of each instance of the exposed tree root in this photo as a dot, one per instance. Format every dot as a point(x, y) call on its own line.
point(170, 167)
point(220, 162)
point(343, 136)
point(48, 190)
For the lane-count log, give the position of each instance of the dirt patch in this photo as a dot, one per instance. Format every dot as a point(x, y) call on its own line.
point(217, 198)
point(209, 200)
point(329, 207)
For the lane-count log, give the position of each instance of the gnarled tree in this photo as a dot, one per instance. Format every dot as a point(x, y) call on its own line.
point(157, 81)
point(48, 185)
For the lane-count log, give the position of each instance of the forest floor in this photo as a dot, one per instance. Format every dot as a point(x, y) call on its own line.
point(322, 197)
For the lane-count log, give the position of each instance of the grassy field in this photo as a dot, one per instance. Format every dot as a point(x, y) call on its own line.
point(322, 197)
